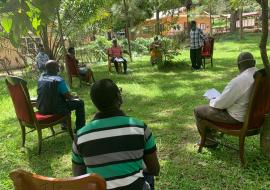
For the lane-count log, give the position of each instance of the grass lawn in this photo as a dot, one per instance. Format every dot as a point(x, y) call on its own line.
point(163, 99)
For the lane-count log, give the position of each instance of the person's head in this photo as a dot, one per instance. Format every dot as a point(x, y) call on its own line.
point(193, 24)
point(41, 50)
point(71, 50)
point(245, 60)
point(114, 42)
point(106, 95)
point(52, 66)
point(155, 38)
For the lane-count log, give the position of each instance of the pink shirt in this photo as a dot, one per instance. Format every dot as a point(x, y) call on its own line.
point(235, 97)
point(115, 51)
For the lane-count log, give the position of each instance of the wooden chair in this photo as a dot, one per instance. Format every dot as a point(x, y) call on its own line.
point(253, 124)
point(26, 115)
point(111, 64)
point(23, 180)
point(73, 69)
point(207, 53)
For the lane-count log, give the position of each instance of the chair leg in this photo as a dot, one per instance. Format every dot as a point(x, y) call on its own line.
point(241, 150)
point(70, 82)
point(80, 82)
point(52, 130)
point(204, 63)
point(202, 138)
point(23, 135)
point(211, 62)
point(39, 131)
point(110, 67)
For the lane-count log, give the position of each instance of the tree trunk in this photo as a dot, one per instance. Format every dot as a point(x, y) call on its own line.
point(240, 24)
point(127, 32)
point(157, 18)
point(265, 135)
point(63, 46)
point(234, 16)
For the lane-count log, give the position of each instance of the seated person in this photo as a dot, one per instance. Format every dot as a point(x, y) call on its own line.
point(114, 145)
point(231, 106)
point(155, 51)
point(115, 51)
point(82, 68)
point(41, 59)
point(54, 97)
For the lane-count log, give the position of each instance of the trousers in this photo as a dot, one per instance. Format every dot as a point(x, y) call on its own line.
point(116, 65)
point(78, 106)
point(206, 112)
point(196, 57)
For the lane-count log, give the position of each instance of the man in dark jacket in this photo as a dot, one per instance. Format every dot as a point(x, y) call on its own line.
point(54, 97)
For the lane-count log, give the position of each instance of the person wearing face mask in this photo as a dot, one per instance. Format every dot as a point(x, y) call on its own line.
point(41, 59)
point(118, 147)
point(115, 52)
point(54, 97)
point(155, 51)
point(231, 106)
point(196, 44)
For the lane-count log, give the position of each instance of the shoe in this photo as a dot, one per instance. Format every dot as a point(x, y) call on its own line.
point(207, 145)
point(89, 84)
point(64, 127)
point(198, 70)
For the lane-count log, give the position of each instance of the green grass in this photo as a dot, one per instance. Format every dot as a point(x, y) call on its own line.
point(221, 24)
point(164, 99)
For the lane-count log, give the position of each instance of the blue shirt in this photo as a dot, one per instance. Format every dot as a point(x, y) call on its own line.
point(62, 87)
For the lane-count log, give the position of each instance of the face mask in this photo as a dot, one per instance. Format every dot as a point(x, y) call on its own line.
point(156, 41)
point(115, 45)
point(42, 53)
point(193, 28)
point(59, 72)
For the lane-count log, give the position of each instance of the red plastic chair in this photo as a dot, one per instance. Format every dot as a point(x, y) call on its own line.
point(26, 115)
point(23, 180)
point(207, 52)
point(253, 124)
point(73, 69)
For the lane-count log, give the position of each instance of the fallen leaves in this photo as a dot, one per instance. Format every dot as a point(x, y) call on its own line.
point(2, 157)
point(9, 136)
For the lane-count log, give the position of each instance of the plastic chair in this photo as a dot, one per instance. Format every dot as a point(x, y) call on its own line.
point(26, 115)
point(253, 124)
point(207, 52)
point(23, 180)
point(111, 64)
point(73, 69)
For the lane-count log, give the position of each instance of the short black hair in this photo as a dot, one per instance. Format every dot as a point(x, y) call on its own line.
point(103, 93)
point(70, 49)
point(193, 22)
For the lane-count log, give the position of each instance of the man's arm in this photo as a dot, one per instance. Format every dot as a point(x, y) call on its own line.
point(78, 170)
point(152, 164)
point(230, 94)
point(68, 96)
point(204, 37)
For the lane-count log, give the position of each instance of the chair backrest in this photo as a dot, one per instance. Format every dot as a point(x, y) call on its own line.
point(21, 98)
point(73, 69)
point(23, 180)
point(259, 98)
point(205, 49)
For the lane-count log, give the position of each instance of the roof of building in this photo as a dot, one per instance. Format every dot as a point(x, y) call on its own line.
point(244, 14)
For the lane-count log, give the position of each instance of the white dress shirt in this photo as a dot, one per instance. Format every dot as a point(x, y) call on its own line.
point(235, 97)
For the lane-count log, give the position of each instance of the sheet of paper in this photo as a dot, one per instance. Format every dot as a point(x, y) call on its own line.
point(213, 93)
point(119, 59)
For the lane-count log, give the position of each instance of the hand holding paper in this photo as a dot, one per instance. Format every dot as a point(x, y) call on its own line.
point(210, 94)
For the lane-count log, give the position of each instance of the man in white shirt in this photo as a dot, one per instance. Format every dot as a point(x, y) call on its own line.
point(231, 105)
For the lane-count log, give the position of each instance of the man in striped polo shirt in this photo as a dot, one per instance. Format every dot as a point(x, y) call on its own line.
point(114, 145)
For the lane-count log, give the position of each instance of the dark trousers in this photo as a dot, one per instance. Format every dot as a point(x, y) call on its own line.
point(116, 65)
point(150, 180)
point(78, 106)
point(196, 58)
point(207, 112)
